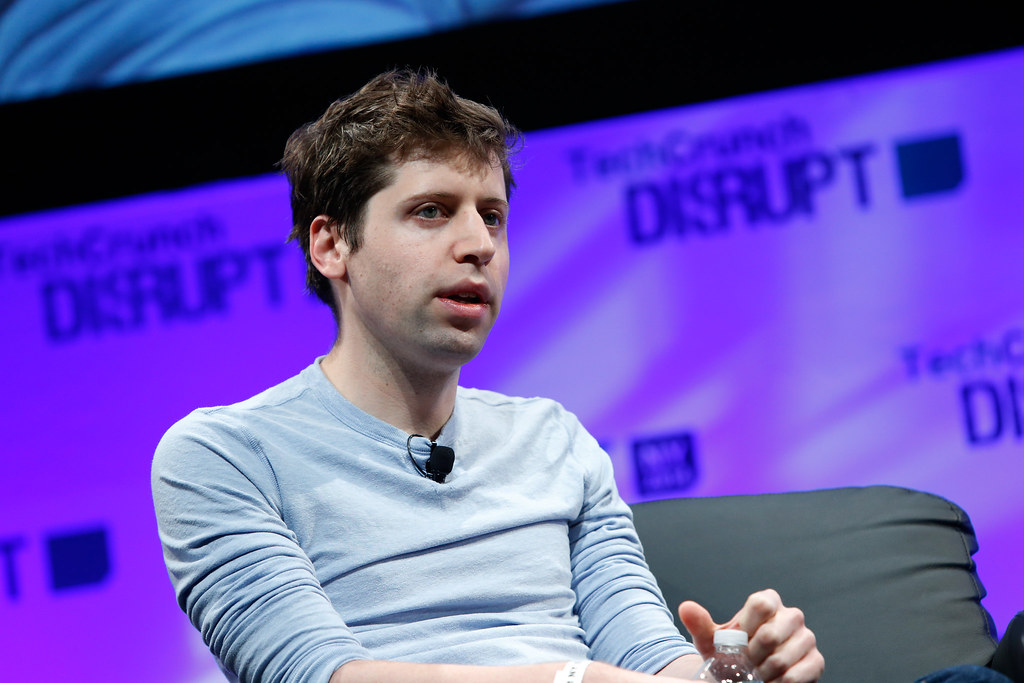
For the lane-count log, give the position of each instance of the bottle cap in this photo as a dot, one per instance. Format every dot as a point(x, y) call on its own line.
point(731, 637)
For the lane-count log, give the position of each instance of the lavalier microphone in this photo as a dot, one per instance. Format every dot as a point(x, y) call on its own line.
point(440, 462)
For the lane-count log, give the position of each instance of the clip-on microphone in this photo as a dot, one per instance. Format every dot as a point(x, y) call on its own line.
point(440, 462)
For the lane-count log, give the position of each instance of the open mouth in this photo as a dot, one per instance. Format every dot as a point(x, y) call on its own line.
point(466, 298)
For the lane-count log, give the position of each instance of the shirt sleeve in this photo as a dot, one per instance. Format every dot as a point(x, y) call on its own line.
point(620, 606)
point(237, 569)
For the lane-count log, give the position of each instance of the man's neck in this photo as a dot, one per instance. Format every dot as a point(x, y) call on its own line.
point(415, 401)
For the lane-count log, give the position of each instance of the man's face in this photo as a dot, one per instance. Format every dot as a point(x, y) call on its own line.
point(425, 286)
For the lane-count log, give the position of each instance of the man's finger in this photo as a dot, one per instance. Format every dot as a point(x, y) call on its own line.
point(758, 609)
point(810, 668)
point(800, 649)
point(701, 626)
point(773, 634)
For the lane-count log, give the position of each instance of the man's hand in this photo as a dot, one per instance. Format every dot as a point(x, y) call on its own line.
point(781, 646)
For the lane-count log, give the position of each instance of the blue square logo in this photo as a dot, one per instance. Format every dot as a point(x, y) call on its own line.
point(930, 166)
point(78, 559)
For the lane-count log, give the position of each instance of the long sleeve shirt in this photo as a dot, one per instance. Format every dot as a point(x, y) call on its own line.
point(300, 534)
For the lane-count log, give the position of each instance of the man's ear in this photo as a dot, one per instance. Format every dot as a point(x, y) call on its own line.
point(327, 250)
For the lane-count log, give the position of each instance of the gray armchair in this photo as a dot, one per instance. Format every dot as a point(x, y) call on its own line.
point(883, 574)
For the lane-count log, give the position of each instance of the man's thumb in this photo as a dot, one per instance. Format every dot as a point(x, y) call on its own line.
point(701, 626)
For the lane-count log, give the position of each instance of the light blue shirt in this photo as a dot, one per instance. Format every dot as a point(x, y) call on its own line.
point(299, 535)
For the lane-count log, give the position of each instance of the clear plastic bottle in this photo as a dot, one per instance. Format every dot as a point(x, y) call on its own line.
point(730, 663)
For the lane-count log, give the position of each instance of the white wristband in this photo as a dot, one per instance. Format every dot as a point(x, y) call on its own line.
point(572, 672)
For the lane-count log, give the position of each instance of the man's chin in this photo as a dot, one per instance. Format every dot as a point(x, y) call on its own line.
point(460, 348)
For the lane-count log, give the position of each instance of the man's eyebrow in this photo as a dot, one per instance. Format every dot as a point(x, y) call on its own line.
point(496, 200)
point(422, 196)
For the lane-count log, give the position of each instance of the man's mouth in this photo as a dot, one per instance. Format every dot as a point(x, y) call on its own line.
point(466, 298)
point(467, 293)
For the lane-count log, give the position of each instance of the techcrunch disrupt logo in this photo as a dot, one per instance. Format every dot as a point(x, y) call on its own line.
point(990, 390)
point(767, 192)
point(754, 176)
point(105, 279)
point(185, 290)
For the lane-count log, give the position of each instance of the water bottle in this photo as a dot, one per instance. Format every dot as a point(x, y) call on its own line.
point(730, 663)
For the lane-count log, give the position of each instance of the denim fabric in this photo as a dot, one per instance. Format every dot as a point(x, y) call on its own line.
point(965, 674)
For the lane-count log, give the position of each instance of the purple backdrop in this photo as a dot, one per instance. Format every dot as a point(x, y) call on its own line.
point(800, 289)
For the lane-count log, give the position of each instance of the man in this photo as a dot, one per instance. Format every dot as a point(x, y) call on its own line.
point(320, 530)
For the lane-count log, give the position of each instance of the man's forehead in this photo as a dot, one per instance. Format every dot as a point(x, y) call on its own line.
point(460, 159)
point(461, 163)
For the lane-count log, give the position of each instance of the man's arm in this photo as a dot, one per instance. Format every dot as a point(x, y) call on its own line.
point(374, 671)
point(618, 601)
point(237, 569)
point(807, 663)
point(781, 645)
point(685, 667)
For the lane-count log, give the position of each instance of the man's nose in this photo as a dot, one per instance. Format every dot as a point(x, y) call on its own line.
point(475, 242)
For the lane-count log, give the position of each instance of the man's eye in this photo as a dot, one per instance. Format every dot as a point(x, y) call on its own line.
point(493, 220)
point(429, 212)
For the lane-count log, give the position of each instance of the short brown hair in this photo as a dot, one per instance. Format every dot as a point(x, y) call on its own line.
point(336, 163)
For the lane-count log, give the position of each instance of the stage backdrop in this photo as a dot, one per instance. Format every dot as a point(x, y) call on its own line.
point(809, 288)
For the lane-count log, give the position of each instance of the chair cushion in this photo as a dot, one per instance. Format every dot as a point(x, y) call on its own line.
point(883, 574)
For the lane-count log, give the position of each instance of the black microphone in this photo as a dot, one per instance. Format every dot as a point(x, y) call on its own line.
point(440, 462)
